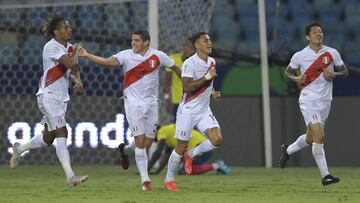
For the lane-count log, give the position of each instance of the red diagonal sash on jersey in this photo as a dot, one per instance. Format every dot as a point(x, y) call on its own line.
point(317, 67)
point(56, 72)
point(139, 71)
point(193, 94)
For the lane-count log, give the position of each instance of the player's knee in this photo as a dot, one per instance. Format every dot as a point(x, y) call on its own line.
point(49, 141)
point(216, 141)
point(320, 138)
point(181, 147)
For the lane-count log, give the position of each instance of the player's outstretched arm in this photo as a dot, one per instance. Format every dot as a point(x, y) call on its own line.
point(71, 61)
point(177, 70)
point(189, 84)
point(110, 61)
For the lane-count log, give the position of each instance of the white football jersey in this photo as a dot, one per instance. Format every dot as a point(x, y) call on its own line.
point(197, 101)
point(54, 82)
point(141, 78)
point(313, 64)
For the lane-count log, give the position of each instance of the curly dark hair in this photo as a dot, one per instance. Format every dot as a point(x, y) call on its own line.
point(51, 23)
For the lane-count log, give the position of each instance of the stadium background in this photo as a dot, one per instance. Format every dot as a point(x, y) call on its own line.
point(105, 29)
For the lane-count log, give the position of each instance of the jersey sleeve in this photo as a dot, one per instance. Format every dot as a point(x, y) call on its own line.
point(294, 62)
point(120, 57)
point(337, 58)
point(54, 52)
point(187, 70)
point(165, 59)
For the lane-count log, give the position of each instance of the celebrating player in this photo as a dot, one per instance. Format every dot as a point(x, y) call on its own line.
point(318, 64)
point(198, 72)
point(59, 64)
point(140, 65)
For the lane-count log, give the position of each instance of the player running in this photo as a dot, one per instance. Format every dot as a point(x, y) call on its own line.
point(59, 64)
point(318, 64)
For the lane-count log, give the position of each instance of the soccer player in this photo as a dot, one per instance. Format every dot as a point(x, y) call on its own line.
point(59, 64)
point(198, 72)
point(172, 80)
point(318, 64)
point(140, 64)
point(166, 142)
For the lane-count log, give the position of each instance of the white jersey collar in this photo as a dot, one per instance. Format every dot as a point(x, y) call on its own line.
point(67, 43)
point(202, 61)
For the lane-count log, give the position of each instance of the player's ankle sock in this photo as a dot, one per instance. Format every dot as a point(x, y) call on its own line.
point(216, 166)
point(201, 148)
point(142, 163)
point(299, 144)
point(319, 156)
point(64, 157)
point(130, 148)
point(203, 168)
point(173, 165)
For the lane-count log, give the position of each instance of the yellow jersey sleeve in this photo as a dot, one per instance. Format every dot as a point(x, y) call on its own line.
point(167, 133)
point(196, 139)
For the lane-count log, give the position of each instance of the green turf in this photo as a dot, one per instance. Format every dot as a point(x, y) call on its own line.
point(110, 184)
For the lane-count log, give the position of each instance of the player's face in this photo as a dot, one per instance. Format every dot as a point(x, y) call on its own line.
point(204, 44)
point(138, 44)
point(316, 35)
point(63, 31)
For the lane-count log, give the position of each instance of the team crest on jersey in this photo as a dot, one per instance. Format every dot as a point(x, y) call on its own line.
point(152, 63)
point(326, 59)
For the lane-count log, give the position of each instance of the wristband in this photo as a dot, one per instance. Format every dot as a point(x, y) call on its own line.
point(207, 76)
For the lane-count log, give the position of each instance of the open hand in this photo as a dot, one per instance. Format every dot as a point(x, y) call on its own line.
point(78, 88)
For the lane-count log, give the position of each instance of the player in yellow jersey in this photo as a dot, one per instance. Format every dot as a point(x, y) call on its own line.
point(173, 99)
point(167, 142)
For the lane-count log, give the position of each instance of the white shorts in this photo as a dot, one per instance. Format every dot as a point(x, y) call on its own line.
point(142, 119)
point(315, 111)
point(186, 122)
point(53, 111)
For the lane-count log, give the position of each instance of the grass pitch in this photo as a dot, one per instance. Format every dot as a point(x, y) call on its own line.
point(112, 184)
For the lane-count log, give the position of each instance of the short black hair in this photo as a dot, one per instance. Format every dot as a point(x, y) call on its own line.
point(308, 27)
point(51, 23)
point(145, 36)
point(195, 37)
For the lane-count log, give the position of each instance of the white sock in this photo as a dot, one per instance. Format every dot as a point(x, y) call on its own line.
point(130, 148)
point(24, 147)
point(142, 163)
point(35, 142)
point(64, 157)
point(299, 144)
point(201, 148)
point(319, 156)
point(216, 166)
point(173, 165)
